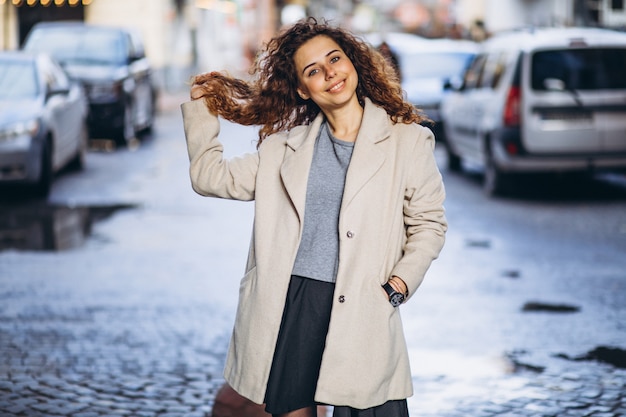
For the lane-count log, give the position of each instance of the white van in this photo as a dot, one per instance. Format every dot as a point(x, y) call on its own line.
point(540, 100)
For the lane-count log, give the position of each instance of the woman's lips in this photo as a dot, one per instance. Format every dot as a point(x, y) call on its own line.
point(337, 87)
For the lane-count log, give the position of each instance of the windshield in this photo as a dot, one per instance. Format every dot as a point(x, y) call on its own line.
point(17, 80)
point(581, 69)
point(434, 64)
point(92, 46)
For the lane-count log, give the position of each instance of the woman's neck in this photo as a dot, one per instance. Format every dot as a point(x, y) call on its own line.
point(345, 122)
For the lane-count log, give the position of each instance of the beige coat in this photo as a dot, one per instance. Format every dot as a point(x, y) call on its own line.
point(392, 223)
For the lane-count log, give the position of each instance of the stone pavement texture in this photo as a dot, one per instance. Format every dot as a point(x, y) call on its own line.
point(107, 330)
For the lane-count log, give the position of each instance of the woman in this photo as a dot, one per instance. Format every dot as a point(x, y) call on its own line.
point(348, 218)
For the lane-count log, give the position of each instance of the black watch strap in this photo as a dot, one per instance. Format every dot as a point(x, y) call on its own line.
point(389, 289)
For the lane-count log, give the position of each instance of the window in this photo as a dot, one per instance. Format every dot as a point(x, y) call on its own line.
point(474, 73)
point(494, 67)
point(617, 4)
point(78, 45)
point(580, 69)
point(18, 80)
point(435, 64)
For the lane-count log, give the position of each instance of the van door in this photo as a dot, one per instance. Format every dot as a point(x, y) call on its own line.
point(558, 106)
point(465, 116)
point(609, 96)
point(612, 120)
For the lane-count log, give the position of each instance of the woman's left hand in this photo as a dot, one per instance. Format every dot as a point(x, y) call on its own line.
point(398, 284)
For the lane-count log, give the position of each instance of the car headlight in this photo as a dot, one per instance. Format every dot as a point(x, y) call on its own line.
point(20, 129)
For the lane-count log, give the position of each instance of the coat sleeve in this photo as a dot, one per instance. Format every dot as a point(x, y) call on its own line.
point(211, 174)
point(424, 215)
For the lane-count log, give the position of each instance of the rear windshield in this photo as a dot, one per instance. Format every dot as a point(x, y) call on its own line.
point(434, 64)
point(580, 69)
point(77, 46)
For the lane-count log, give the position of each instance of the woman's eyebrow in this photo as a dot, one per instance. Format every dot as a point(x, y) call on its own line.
point(313, 63)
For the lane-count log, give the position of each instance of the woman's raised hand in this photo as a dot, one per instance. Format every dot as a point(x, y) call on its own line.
point(201, 84)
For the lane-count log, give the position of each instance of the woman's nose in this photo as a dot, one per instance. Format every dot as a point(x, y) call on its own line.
point(330, 72)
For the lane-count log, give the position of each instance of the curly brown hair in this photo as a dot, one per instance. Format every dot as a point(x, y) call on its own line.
point(271, 99)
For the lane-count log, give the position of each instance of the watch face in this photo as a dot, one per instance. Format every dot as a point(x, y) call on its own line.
point(396, 299)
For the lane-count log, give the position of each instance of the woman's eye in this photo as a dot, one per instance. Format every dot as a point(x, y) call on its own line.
point(334, 59)
point(312, 72)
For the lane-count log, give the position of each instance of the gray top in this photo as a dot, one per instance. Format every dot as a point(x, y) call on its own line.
point(318, 254)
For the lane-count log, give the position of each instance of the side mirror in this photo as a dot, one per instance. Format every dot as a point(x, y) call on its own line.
point(57, 92)
point(134, 58)
point(453, 83)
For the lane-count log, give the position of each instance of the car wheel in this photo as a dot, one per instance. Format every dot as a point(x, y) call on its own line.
point(44, 183)
point(495, 182)
point(78, 163)
point(126, 133)
point(454, 161)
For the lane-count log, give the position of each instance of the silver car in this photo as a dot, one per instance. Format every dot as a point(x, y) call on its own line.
point(112, 65)
point(430, 71)
point(541, 100)
point(43, 121)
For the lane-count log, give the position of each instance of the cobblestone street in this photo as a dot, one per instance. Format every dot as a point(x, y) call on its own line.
point(87, 351)
point(136, 322)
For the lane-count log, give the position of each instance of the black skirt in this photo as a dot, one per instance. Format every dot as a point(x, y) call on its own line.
point(298, 354)
point(301, 340)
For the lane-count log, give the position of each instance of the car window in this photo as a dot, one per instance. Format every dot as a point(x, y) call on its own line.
point(580, 69)
point(18, 80)
point(473, 74)
point(493, 69)
point(136, 45)
point(55, 78)
point(92, 46)
point(434, 64)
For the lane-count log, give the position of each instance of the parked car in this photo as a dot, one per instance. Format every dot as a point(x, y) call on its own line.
point(42, 121)
point(429, 72)
point(429, 68)
point(542, 100)
point(112, 65)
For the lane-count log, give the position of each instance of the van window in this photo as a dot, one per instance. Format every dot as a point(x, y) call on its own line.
point(473, 74)
point(580, 69)
point(494, 67)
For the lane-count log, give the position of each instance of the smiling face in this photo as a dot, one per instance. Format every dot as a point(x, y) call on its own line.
point(326, 75)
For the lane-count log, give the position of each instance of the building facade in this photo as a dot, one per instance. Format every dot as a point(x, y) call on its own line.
point(499, 15)
point(183, 37)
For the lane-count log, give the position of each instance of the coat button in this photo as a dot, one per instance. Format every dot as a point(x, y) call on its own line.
point(350, 234)
point(342, 299)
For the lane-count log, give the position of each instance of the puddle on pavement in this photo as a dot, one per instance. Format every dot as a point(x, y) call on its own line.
point(535, 306)
point(42, 227)
point(511, 273)
point(516, 364)
point(605, 354)
point(458, 364)
point(478, 243)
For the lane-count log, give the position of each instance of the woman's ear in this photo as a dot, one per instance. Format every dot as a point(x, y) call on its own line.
point(303, 95)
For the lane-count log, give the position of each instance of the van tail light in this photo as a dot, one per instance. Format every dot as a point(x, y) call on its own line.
point(512, 107)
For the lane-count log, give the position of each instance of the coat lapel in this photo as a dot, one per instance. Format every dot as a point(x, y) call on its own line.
point(294, 171)
point(367, 158)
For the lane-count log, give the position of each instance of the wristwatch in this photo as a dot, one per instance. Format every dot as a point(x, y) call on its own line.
point(395, 298)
